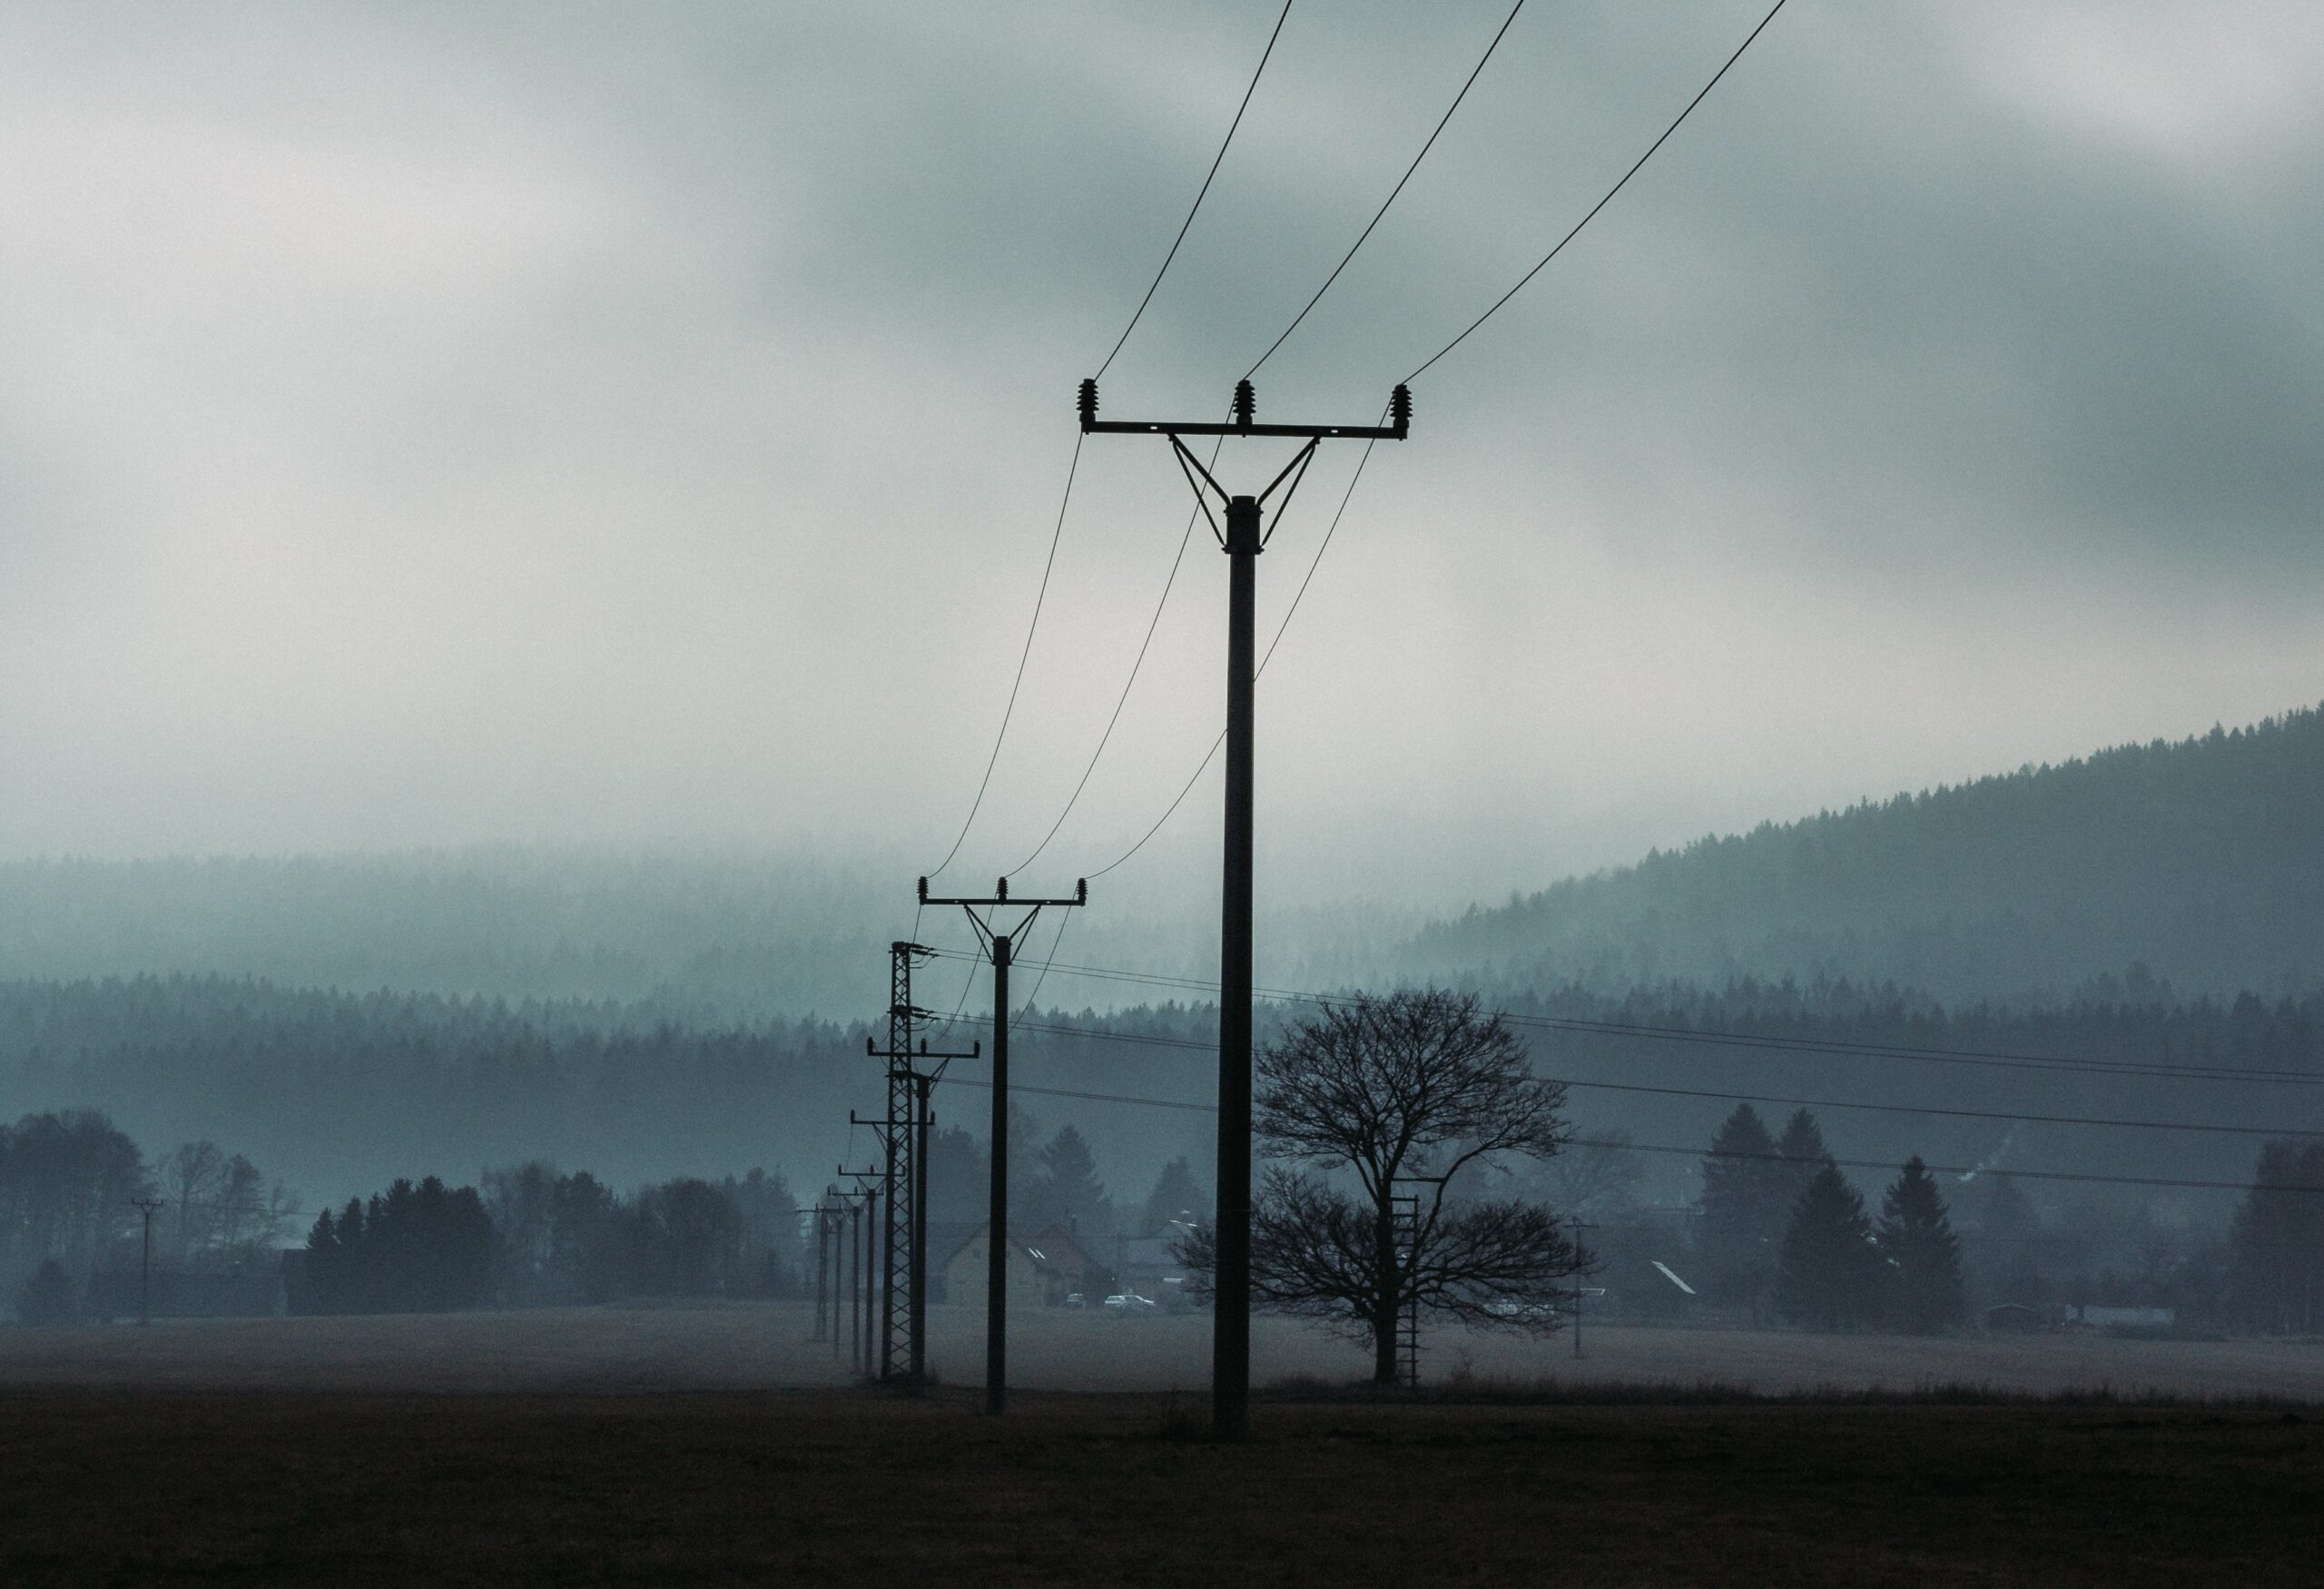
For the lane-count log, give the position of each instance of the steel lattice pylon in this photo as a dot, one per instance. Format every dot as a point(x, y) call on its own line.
point(900, 1352)
point(895, 1310)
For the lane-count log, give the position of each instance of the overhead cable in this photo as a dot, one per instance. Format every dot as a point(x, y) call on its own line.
point(1209, 756)
point(1602, 204)
point(1019, 683)
point(2003, 1060)
point(1193, 1045)
point(1399, 188)
point(1206, 189)
point(1619, 1146)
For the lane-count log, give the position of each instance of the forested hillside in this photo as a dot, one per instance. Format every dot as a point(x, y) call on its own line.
point(2203, 859)
point(336, 1093)
point(340, 1092)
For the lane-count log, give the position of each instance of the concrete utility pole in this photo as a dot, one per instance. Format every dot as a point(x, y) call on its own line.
point(1242, 541)
point(903, 1274)
point(1001, 947)
point(147, 1207)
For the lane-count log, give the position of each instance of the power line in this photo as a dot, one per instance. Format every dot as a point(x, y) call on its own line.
point(1618, 1146)
point(1206, 189)
point(1399, 188)
point(984, 783)
point(1123, 699)
point(1017, 684)
point(1194, 1046)
point(1602, 204)
point(1321, 548)
point(1055, 939)
point(2001, 1060)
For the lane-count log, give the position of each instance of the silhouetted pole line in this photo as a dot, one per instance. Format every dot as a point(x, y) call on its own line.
point(1243, 538)
point(852, 1275)
point(1580, 1225)
point(148, 1207)
point(904, 1313)
point(999, 945)
point(869, 1184)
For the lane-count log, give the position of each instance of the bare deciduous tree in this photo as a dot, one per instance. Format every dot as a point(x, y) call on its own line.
point(1403, 1094)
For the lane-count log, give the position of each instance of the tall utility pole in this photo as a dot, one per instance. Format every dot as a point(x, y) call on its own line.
point(1242, 541)
point(147, 1207)
point(1579, 1227)
point(903, 1309)
point(1001, 946)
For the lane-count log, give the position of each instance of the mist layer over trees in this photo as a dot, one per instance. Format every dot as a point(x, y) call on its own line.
point(2203, 859)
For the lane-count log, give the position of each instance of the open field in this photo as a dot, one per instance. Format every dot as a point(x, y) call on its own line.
point(765, 1347)
point(832, 1486)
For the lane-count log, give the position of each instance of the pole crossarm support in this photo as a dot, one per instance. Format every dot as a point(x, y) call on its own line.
point(1400, 413)
point(999, 896)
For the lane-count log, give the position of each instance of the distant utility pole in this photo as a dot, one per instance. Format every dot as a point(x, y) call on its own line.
point(147, 1207)
point(868, 1183)
point(1001, 947)
point(904, 1306)
point(1579, 1227)
point(1242, 541)
point(830, 1220)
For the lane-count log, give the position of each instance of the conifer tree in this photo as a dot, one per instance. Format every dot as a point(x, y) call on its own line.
point(1802, 1149)
point(1177, 1194)
point(1829, 1274)
point(1925, 1291)
point(1743, 1209)
point(1066, 1190)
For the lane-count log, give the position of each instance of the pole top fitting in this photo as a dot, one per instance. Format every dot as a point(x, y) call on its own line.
point(1245, 402)
point(1400, 408)
point(1081, 891)
point(923, 891)
point(1088, 403)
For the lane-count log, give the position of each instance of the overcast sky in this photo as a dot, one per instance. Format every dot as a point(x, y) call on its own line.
point(425, 424)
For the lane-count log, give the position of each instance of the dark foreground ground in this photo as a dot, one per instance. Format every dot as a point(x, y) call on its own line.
point(847, 1487)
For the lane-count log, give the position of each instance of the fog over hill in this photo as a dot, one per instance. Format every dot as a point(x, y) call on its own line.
point(2203, 860)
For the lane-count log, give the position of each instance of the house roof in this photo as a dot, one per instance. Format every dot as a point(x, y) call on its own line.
point(1053, 1248)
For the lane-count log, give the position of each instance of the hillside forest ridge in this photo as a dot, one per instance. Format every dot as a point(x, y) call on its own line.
point(2104, 970)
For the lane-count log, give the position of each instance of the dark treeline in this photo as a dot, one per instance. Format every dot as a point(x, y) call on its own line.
point(534, 1238)
point(323, 1087)
point(1778, 1233)
point(71, 1183)
point(2204, 859)
point(343, 1091)
point(2111, 1020)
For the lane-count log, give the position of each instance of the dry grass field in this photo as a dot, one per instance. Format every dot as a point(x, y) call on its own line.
point(716, 1444)
point(858, 1486)
point(765, 1346)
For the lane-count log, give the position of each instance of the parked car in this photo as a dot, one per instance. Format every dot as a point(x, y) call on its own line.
point(1075, 1299)
point(1129, 1302)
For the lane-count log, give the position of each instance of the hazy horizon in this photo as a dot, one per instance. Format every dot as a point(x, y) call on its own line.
point(427, 427)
